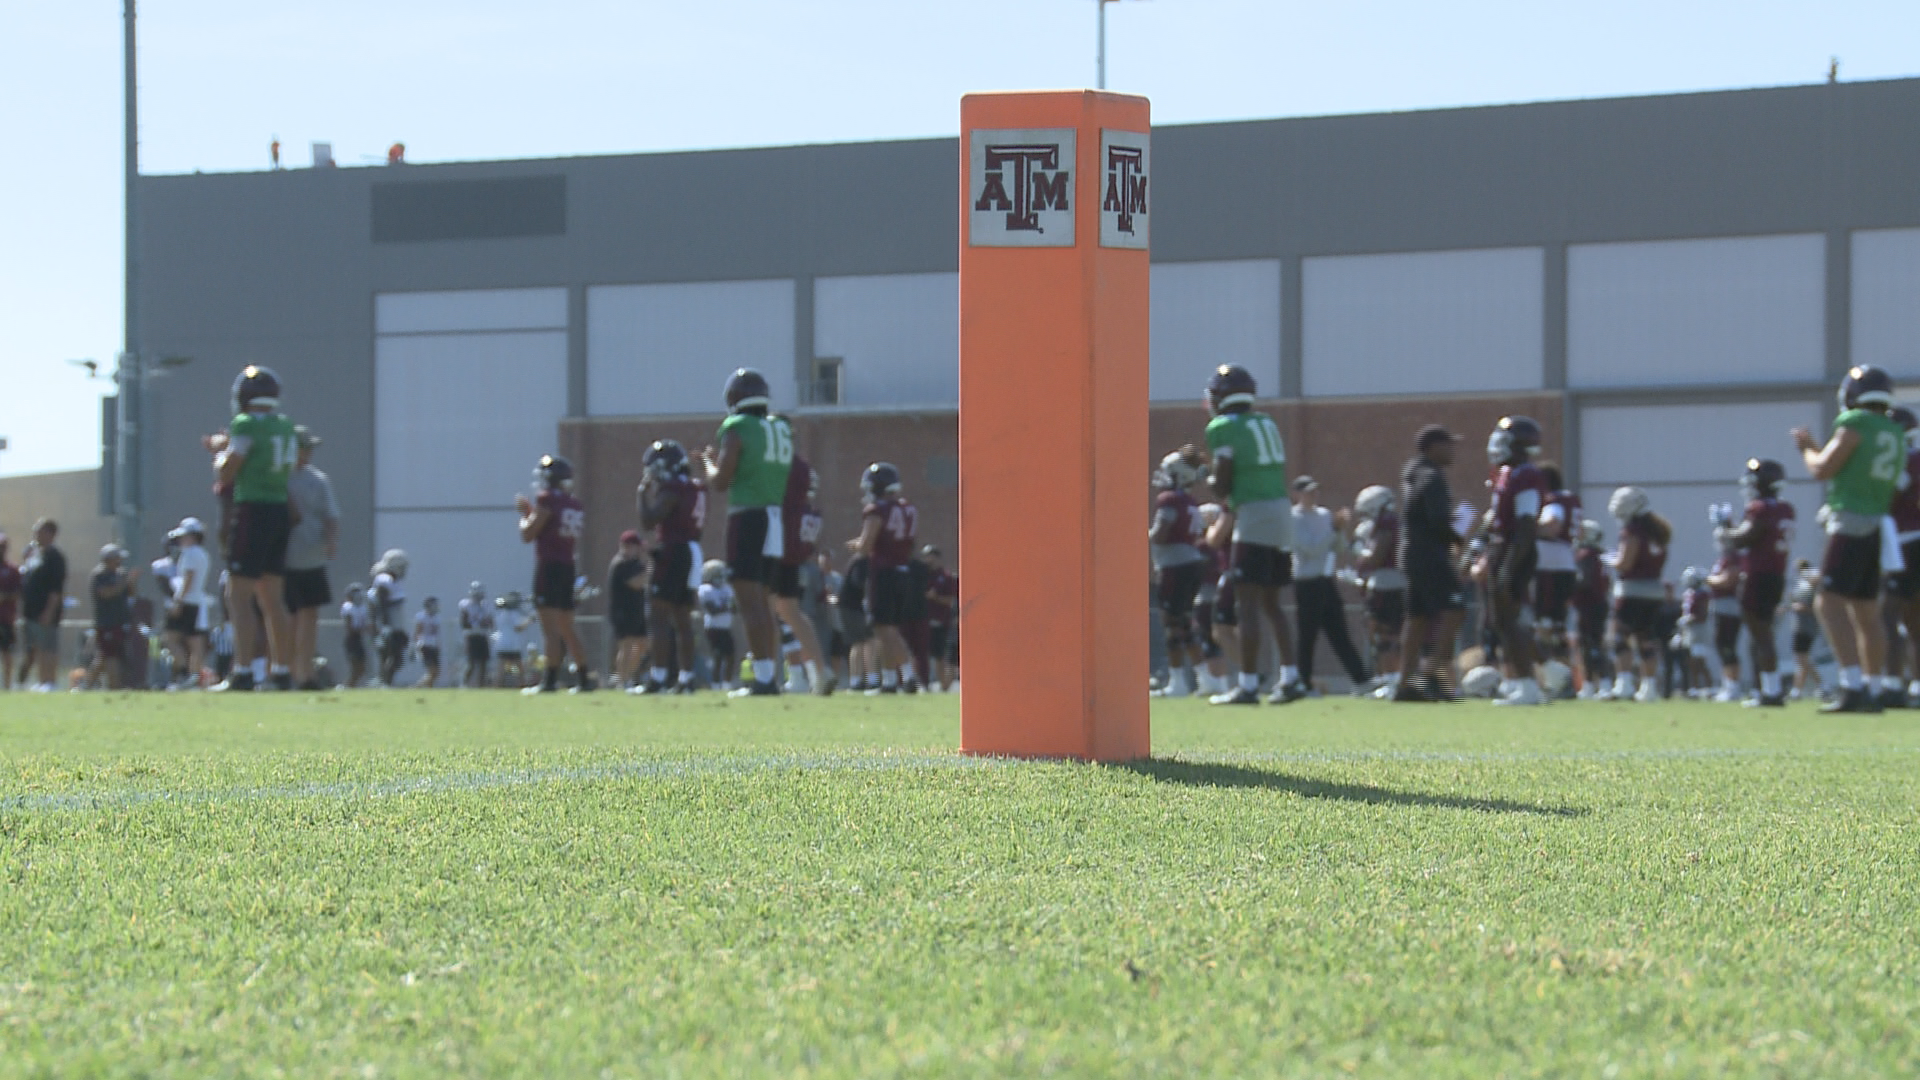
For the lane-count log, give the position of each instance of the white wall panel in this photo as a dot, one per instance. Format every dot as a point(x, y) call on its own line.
point(459, 419)
point(662, 349)
point(1204, 314)
point(470, 309)
point(898, 336)
point(447, 550)
point(1423, 322)
point(1651, 444)
point(1886, 300)
point(1676, 312)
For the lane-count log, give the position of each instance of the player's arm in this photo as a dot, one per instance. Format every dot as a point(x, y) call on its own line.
point(869, 536)
point(1164, 519)
point(228, 458)
point(1220, 479)
point(533, 518)
point(1629, 552)
point(657, 502)
point(1720, 579)
point(722, 467)
point(1825, 462)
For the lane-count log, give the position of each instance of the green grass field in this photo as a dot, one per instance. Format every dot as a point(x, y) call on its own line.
point(403, 884)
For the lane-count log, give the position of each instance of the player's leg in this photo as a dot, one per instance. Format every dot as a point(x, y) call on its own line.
point(1309, 617)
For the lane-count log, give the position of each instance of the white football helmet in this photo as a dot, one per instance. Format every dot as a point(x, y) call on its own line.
point(1481, 682)
point(1692, 578)
point(1373, 501)
point(1177, 473)
point(1628, 503)
point(713, 571)
point(393, 562)
point(1555, 677)
point(1591, 535)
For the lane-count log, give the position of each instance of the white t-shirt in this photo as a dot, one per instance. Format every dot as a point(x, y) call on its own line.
point(716, 603)
point(1555, 553)
point(193, 561)
point(426, 630)
point(476, 617)
point(510, 630)
point(396, 599)
point(354, 616)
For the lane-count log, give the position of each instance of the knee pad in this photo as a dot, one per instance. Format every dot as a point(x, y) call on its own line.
point(1649, 653)
point(1729, 654)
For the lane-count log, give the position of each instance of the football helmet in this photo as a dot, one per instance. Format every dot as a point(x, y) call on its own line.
point(665, 458)
point(1177, 473)
point(1763, 478)
point(1866, 385)
point(1230, 385)
point(355, 591)
point(1692, 578)
point(880, 480)
point(1209, 514)
point(432, 604)
point(713, 571)
point(1514, 439)
point(1591, 535)
point(1373, 501)
point(255, 385)
point(393, 562)
point(1628, 503)
point(1905, 417)
point(553, 473)
point(477, 591)
point(747, 389)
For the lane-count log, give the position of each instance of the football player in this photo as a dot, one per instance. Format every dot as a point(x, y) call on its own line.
point(751, 466)
point(717, 602)
point(9, 601)
point(1175, 538)
point(510, 639)
point(355, 620)
point(1906, 584)
point(802, 524)
point(1638, 594)
point(189, 602)
point(1861, 464)
point(476, 626)
point(627, 611)
point(1696, 631)
point(261, 452)
point(673, 506)
point(426, 640)
point(1764, 538)
point(1249, 471)
point(1554, 582)
point(386, 603)
point(1376, 541)
point(888, 524)
point(1590, 603)
point(1520, 492)
point(553, 521)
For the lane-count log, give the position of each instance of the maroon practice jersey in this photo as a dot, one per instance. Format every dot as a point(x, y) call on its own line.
point(1770, 539)
point(1694, 604)
point(800, 523)
point(1186, 527)
point(689, 514)
point(1591, 591)
point(1570, 504)
point(1726, 570)
point(1651, 560)
point(566, 522)
point(899, 522)
point(1513, 482)
point(1385, 544)
point(1906, 501)
point(946, 590)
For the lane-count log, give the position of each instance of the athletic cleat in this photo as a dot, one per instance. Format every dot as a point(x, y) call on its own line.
point(1727, 695)
point(826, 684)
point(1523, 692)
point(1893, 699)
point(1287, 693)
point(756, 689)
point(586, 685)
point(1857, 700)
point(540, 688)
point(645, 689)
point(282, 681)
point(1237, 696)
point(1648, 694)
point(235, 683)
point(1766, 701)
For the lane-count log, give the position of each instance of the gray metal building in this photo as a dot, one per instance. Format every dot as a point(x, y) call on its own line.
point(1675, 280)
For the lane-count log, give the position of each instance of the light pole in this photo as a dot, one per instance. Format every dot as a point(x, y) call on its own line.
point(1100, 54)
point(126, 463)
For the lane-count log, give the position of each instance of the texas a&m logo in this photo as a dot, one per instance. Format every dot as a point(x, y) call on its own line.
point(1020, 188)
point(1123, 200)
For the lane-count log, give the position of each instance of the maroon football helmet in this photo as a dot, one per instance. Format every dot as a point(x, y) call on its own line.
point(1514, 439)
point(1866, 385)
point(747, 389)
point(255, 385)
point(1230, 385)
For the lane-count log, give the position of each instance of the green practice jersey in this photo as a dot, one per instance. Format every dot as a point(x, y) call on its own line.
point(272, 451)
point(766, 454)
point(1252, 440)
point(1867, 482)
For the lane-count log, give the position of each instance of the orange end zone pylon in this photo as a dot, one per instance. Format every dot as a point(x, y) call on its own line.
point(1053, 424)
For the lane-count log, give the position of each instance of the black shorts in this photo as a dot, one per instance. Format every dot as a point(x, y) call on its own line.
point(1637, 616)
point(393, 644)
point(6, 636)
point(1802, 642)
point(1761, 593)
point(1262, 566)
point(1552, 589)
point(854, 627)
point(430, 655)
point(1593, 624)
point(1178, 587)
point(185, 622)
point(1521, 573)
point(479, 649)
point(553, 586)
point(943, 642)
point(786, 580)
point(1433, 590)
point(629, 623)
point(1387, 608)
point(1851, 568)
point(307, 589)
point(747, 533)
point(720, 641)
point(260, 531)
point(356, 646)
point(1907, 582)
point(887, 599)
point(672, 575)
point(1726, 636)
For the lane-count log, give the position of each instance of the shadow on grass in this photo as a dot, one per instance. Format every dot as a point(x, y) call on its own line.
point(1222, 775)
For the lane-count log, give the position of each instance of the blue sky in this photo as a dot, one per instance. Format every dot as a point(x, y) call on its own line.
point(490, 79)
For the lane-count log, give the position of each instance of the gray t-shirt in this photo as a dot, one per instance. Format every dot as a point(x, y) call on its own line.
point(310, 494)
point(1314, 538)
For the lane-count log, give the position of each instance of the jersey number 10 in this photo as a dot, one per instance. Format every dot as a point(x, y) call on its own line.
point(1266, 441)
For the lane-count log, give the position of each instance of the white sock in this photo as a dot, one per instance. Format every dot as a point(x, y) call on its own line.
point(1623, 684)
point(1770, 683)
point(686, 677)
point(258, 669)
point(1730, 685)
point(763, 671)
point(1850, 678)
point(906, 673)
point(813, 673)
point(889, 677)
point(1289, 674)
point(658, 675)
point(1250, 681)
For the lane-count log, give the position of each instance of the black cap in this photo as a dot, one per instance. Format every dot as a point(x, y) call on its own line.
point(1306, 483)
point(1432, 433)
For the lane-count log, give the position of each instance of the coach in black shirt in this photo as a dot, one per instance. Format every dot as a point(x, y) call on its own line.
point(1435, 598)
